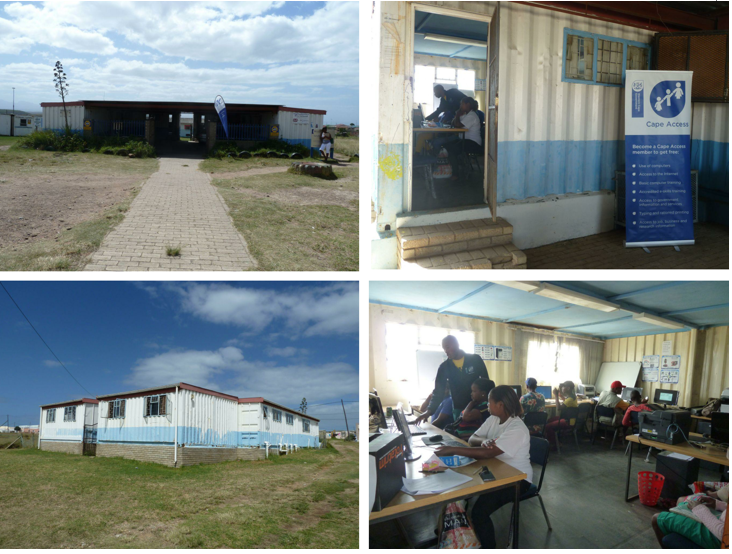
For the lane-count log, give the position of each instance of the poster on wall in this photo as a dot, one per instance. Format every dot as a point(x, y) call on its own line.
point(670, 369)
point(658, 204)
point(485, 351)
point(667, 348)
point(650, 368)
point(503, 353)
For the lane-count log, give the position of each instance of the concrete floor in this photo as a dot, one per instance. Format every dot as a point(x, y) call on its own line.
point(583, 494)
point(450, 194)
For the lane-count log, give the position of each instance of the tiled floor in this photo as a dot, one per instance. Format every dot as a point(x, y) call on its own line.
point(606, 251)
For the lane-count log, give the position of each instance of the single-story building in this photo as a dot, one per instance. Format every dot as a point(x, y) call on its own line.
point(65, 426)
point(160, 122)
point(262, 421)
point(19, 124)
point(554, 142)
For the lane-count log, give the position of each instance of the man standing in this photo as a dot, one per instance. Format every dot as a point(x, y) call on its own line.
point(459, 371)
point(449, 103)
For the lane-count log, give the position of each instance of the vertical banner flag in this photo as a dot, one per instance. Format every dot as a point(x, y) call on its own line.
point(658, 208)
point(221, 110)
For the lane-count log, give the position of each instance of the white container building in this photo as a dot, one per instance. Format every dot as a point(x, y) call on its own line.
point(62, 425)
point(262, 422)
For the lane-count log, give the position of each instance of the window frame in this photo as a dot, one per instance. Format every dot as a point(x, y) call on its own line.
point(276, 416)
point(265, 415)
point(305, 425)
point(51, 415)
point(290, 419)
point(596, 37)
point(70, 414)
point(161, 401)
point(118, 408)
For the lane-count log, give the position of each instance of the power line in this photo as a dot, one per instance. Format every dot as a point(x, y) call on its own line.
point(43, 341)
point(328, 403)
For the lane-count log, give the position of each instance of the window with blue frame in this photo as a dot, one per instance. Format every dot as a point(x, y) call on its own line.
point(601, 60)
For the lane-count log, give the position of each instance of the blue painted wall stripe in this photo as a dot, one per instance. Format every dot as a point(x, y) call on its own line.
point(166, 435)
point(260, 437)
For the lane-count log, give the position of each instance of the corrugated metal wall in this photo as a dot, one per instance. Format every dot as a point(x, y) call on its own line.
point(255, 430)
point(704, 361)
point(53, 118)
point(297, 132)
point(710, 156)
point(486, 332)
point(61, 430)
point(554, 137)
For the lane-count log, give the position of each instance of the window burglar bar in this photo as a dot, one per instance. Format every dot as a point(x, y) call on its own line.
point(290, 419)
point(305, 426)
point(116, 409)
point(51, 415)
point(156, 405)
point(70, 413)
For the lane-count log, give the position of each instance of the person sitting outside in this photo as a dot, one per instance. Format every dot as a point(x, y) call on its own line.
point(505, 437)
point(443, 415)
point(449, 104)
point(565, 398)
point(476, 412)
point(611, 399)
point(636, 405)
point(707, 532)
point(532, 401)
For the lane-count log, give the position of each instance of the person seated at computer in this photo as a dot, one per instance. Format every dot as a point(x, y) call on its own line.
point(449, 104)
point(476, 412)
point(611, 399)
point(564, 397)
point(471, 143)
point(505, 437)
point(707, 532)
point(461, 370)
point(443, 415)
point(533, 401)
point(636, 405)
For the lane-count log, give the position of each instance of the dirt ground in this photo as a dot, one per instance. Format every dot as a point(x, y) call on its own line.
point(35, 207)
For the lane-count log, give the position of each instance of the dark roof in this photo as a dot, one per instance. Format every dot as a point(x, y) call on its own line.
point(179, 106)
point(71, 403)
point(260, 400)
point(168, 388)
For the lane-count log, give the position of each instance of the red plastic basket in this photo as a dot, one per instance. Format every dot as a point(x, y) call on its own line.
point(650, 485)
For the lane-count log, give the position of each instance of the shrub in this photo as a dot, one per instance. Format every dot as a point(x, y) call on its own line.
point(69, 142)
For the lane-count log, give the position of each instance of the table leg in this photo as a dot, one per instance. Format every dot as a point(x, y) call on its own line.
point(516, 502)
point(627, 480)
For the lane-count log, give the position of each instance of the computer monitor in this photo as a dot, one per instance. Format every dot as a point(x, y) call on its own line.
point(627, 391)
point(720, 427)
point(546, 392)
point(518, 389)
point(376, 409)
point(401, 422)
point(668, 397)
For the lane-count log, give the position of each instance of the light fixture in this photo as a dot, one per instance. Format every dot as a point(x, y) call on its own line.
point(526, 286)
point(577, 298)
point(456, 40)
point(655, 320)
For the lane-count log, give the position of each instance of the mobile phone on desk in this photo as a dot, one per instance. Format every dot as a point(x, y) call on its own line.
point(486, 474)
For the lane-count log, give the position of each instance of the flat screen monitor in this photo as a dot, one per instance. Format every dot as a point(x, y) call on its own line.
point(668, 397)
point(517, 388)
point(720, 427)
point(401, 422)
point(627, 391)
point(376, 409)
point(546, 392)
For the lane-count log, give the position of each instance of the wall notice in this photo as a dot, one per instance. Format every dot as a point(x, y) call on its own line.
point(494, 353)
point(650, 368)
point(670, 369)
point(485, 351)
point(667, 348)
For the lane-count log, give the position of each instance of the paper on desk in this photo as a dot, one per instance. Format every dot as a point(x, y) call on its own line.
point(680, 456)
point(433, 484)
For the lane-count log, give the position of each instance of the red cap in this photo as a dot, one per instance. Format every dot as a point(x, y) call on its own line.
point(616, 385)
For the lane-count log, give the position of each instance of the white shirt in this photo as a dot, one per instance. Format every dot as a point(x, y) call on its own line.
point(471, 122)
point(608, 398)
point(512, 438)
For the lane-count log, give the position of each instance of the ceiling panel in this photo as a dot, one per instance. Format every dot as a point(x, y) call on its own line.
point(431, 295)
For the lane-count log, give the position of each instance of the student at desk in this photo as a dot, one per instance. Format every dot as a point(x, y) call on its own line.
point(636, 405)
point(449, 104)
point(565, 398)
point(443, 415)
point(610, 399)
point(476, 412)
point(505, 437)
point(532, 401)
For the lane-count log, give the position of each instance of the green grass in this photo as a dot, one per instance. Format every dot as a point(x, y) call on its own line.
point(18, 161)
point(346, 146)
point(5, 141)
point(285, 236)
point(228, 165)
point(308, 499)
point(172, 251)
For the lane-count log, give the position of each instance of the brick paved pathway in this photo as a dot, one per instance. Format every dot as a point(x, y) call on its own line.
point(177, 206)
point(606, 251)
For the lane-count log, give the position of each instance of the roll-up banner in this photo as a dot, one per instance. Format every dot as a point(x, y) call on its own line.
point(220, 106)
point(658, 207)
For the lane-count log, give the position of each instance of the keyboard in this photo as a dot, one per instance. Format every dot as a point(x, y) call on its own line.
point(442, 442)
point(416, 431)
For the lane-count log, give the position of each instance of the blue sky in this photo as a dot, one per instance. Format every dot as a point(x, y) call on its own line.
point(279, 340)
point(298, 54)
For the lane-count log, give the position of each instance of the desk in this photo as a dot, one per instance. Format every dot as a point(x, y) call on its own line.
point(420, 132)
point(707, 454)
point(404, 504)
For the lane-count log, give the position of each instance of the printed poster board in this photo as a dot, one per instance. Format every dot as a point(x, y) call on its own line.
point(494, 353)
point(670, 369)
point(651, 365)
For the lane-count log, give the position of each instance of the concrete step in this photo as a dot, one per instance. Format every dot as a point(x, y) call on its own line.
point(506, 256)
point(410, 238)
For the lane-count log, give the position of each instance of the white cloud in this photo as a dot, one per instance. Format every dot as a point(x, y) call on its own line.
point(306, 311)
point(51, 363)
point(286, 352)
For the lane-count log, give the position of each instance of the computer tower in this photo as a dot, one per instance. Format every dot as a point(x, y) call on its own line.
point(387, 453)
point(679, 473)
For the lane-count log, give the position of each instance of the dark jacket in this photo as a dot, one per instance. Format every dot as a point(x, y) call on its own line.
point(460, 381)
point(451, 103)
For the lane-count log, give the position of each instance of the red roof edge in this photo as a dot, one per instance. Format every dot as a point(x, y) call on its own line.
point(71, 403)
point(193, 388)
point(60, 104)
point(302, 110)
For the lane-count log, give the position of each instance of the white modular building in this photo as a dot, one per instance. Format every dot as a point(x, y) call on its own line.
point(262, 422)
point(65, 426)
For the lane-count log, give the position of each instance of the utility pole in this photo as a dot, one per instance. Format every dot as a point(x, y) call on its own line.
point(13, 99)
point(345, 417)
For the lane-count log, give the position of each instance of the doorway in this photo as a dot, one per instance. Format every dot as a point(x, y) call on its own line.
point(450, 49)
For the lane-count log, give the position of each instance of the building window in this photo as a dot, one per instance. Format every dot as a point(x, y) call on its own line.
point(264, 412)
point(551, 362)
point(51, 415)
point(305, 426)
point(290, 419)
point(155, 405)
point(600, 60)
point(70, 413)
point(116, 409)
point(276, 416)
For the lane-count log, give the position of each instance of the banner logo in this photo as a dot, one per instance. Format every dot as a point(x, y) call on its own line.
point(221, 110)
point(637, 99)
point(668, 98)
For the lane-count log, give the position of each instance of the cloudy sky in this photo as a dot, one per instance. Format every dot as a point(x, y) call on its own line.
point(298, 54)
point(280, 340)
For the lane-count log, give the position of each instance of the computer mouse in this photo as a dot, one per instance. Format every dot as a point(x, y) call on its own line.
point(436, 438)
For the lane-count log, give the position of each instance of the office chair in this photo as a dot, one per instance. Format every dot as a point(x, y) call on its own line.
point(604, 411)
point(586, 413)
point(536, 418)
point(427, 162)
point(539, 454)
point(567, 414)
